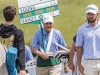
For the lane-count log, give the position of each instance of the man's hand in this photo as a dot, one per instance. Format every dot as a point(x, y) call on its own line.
point(66, 67)
point(81, 69)
point(71, 66)
point(22, 72)
point(44, 55)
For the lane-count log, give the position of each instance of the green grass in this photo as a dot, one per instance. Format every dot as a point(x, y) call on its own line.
point(72, 15)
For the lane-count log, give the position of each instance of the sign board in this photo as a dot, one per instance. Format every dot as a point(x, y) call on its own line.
point(31, 11)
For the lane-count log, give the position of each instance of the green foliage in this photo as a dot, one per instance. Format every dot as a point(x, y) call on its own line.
point(72, 15)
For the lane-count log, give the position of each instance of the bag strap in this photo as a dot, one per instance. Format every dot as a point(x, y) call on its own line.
point(4, 48)
point(44, 46)
point(49, 41)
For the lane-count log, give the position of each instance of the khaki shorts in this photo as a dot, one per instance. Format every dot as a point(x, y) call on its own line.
point(51, 70)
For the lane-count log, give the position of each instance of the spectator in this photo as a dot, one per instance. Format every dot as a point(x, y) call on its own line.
point(11, 35)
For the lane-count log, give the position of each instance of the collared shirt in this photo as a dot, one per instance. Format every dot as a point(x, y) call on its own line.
point(28, 53)
point(57, 38)
point(89, 38)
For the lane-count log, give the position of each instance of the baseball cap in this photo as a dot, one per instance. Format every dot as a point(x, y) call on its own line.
point(48, 18)
point(92, 8)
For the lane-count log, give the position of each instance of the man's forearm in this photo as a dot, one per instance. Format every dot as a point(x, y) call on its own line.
point(35, 51)
point(79, 54)
point(71, 55)
point(72, 52)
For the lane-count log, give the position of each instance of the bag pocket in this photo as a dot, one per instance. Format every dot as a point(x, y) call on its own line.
point(11, 56)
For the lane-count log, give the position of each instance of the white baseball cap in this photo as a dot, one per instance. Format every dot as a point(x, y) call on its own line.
point(92, 8)
point(48, 18)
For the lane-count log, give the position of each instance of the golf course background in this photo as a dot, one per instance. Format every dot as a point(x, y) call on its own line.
point(72, 15)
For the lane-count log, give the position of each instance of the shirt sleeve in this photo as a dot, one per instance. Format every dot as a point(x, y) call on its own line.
point(34, 42)
point(21, 50)
point(28, 53)
point(61, 40)
point(79, 37)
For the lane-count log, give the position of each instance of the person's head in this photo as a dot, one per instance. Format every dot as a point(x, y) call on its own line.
point(9, 13)
point(92, 13)
point(48, 23)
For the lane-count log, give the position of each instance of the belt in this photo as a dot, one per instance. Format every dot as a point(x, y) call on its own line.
point(93, 59)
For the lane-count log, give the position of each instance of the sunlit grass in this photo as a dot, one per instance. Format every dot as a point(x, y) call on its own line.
point(72, 15)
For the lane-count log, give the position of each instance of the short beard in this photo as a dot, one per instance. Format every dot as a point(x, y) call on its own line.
point(92, 20)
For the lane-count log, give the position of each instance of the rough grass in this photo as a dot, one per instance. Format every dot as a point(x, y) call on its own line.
point(72, 15)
